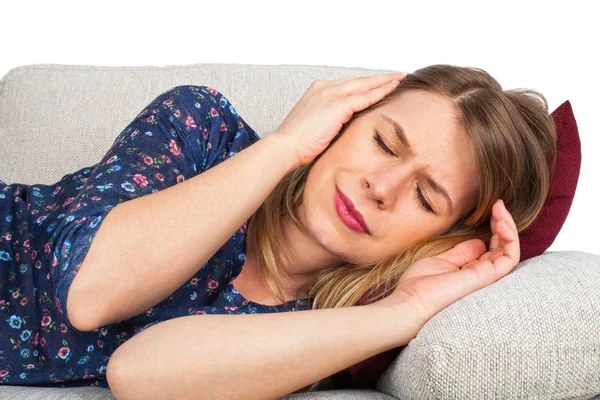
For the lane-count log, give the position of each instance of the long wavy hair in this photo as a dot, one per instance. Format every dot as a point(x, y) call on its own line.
point(513, 139)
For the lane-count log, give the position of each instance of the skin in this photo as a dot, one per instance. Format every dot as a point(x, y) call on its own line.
point(381, 186)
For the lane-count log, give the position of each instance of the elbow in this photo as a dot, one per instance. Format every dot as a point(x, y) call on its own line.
point(127, 376)
point(82, 325)
point(149, 365)
point(80, 313)
point(117, 377)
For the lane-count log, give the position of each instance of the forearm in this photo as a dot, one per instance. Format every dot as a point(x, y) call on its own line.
point(192, 219)
point(253, 356)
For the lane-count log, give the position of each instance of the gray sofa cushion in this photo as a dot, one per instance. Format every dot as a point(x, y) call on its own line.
point(531, 334)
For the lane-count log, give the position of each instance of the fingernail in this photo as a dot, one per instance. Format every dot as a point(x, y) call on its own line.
point(394, 82)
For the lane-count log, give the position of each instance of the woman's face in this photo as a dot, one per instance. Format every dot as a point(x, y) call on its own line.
point(383, 188)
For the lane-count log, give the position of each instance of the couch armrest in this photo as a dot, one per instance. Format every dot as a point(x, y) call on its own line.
point(534, 333)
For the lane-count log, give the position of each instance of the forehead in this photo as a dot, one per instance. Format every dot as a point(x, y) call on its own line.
point(420, 108)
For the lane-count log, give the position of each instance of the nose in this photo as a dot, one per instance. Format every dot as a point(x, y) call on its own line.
point(386, 184)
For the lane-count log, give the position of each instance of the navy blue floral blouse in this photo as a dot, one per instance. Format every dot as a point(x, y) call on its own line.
point(46, 231)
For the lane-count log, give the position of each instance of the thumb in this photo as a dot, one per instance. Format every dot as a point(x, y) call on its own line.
point(464, 252)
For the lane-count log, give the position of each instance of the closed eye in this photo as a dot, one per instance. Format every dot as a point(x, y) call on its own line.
point(423, 202)
point(379, 141)
point(377, 138)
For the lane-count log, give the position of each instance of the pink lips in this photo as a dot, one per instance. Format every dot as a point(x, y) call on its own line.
point(356, 215)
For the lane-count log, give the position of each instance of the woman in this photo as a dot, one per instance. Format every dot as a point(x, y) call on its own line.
point(304, 252)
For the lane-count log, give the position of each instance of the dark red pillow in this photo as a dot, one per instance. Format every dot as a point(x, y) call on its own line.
point(541, 233)
point(534, 240)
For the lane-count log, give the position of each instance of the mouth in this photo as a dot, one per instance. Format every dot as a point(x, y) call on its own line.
point(349, 214)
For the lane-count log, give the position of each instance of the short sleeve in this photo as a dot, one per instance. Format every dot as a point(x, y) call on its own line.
point(181, 133)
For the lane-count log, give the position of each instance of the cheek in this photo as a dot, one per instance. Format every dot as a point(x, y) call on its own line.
point(410, 227)
point(318, 188)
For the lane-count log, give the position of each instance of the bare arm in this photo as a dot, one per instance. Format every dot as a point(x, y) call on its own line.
point(253, 356)
point(138, 237)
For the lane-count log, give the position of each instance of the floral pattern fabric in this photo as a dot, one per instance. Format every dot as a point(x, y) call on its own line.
point(46, 231)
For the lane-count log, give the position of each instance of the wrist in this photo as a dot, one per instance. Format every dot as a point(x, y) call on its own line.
point(408, 320)
point(285, 149)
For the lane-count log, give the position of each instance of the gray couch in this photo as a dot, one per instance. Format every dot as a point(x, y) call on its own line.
point(533, 334)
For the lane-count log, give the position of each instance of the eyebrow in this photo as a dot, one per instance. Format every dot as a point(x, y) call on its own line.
point(404, 140)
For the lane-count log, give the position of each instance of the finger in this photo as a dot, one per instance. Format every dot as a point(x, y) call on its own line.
point(495, 241)
point(363, 100)
point(489, 271)
point(494, 245)
point(496, 216)
point(470, 264)
point(503, 234)
point(497, 264)
point(366, 83)
point(505, 261)
point(502, 213)
point(463, 252)
point(485, 255)
point(390, 75)
point(499, 214)
point(494, 254)
point(511, 246)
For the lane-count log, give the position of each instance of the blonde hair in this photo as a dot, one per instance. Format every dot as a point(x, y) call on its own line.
point(513, 139)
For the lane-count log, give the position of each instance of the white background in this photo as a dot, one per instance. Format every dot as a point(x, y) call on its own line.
point(552, 47)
